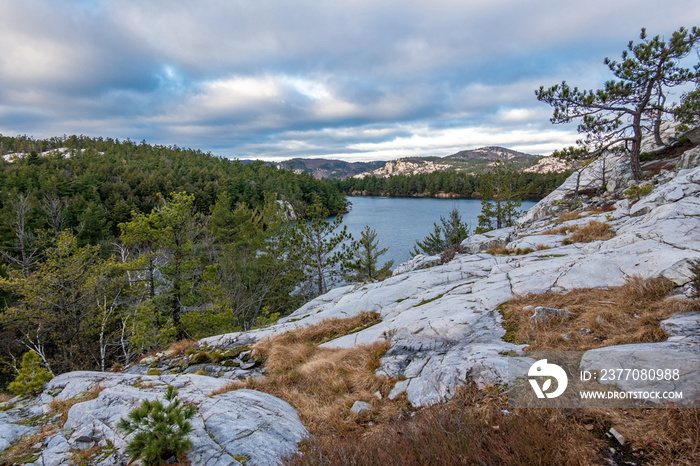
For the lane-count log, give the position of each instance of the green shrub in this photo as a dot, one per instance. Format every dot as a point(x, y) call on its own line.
point(200, 358)
point(32, 376)
point(636, 192)
point(161, 430)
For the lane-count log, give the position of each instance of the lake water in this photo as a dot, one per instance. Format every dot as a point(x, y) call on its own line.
point(401, 221)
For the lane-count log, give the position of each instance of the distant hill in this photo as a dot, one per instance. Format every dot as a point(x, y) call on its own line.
point(468, 161)
point(325, 168)
point(473, 161)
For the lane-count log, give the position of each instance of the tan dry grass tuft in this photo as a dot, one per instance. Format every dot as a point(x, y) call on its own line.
point(296, 340)
point(323, 383)
point(5, 397)
point(179, 348)
point(561, 230)
point(233, 385)
point(472, 428)
point(592, 231)
point(63, 406)
point(627, 314)
point(497, 251)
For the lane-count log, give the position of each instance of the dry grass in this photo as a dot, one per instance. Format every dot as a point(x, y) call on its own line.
point(592, 231)
point(472, 428)
point(179, 348)
point(28, 448)
point(475, 427)
point(323, 383)
point(497, 251)
point(5, 397)
point(565, 217)
point(272, 350)
point(63, 406)
point(628, 314)
point(560, 230)
point(503, 251)
point(233, 385)
point(615, 316)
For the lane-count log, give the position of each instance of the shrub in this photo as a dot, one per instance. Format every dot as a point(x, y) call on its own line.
point(200, 358)
point(161, 430)
point(636, 192)
point(32, 376)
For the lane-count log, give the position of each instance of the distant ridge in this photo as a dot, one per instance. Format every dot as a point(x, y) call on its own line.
point(328, 168)
point(471, 161)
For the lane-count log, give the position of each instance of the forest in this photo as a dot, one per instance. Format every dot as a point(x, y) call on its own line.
point(110, 249)
point(527, 185)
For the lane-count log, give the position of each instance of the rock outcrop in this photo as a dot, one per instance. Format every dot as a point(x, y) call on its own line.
point(442, 320)
point(229, 425)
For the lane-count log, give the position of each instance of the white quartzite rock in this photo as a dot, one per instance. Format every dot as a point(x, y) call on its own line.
point(239, 422)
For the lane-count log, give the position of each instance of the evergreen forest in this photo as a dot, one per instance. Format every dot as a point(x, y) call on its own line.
point(110, 249)
point(528, 185)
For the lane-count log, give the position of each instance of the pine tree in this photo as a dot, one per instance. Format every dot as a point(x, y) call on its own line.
point(160, 430)
point(447, 235)
point(32, 376)
point(500, 200)
point(318, 249)
point(364, 256)
point(619, 115)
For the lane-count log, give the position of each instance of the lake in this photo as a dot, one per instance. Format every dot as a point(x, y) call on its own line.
point(400, 221)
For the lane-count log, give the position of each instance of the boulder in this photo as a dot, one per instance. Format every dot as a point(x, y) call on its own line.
point(481, 242)
point(417, 263)
point(361, 408)
point(227, 423)
point(544, 314)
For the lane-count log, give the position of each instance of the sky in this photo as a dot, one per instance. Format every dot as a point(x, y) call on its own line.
point(355, 80)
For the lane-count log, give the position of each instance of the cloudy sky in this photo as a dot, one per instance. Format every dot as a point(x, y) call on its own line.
point(274, 79)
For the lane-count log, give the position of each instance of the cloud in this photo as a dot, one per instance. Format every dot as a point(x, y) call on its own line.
point(278, 79)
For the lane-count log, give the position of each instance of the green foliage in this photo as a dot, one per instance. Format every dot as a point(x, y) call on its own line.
point(363, 262)
point(149, 330)
point(636, 192)
point(447, 235)
point(317, 248)
point(688, 112)
point(160, 429)
point(499, 207)
point(453, 182)
point(32, 376)
point(56, 311)
point(257, 268)
point(635, 103)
